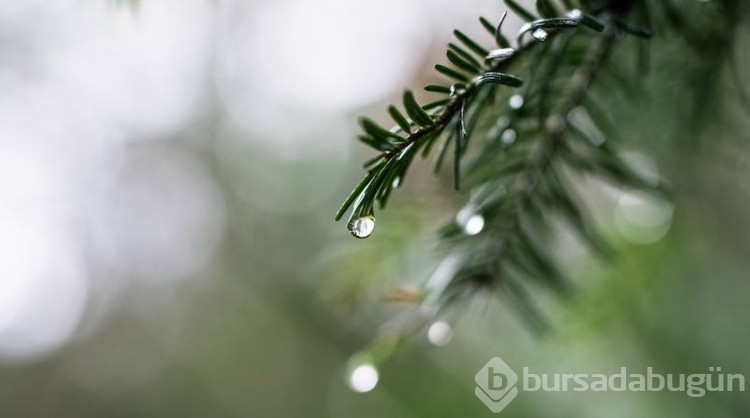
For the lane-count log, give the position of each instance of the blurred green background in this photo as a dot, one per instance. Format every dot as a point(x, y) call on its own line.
point(168, 176)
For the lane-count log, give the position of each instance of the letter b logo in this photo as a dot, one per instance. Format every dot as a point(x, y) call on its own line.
point(496, 384)
point(494, 378)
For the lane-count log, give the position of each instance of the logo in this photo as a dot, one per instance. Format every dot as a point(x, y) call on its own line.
point(496, 384)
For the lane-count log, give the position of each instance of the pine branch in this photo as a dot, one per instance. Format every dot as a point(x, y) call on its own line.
point(430, 124)
point(518, 177)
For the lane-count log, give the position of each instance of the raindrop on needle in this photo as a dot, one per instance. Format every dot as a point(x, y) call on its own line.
point(362, 227)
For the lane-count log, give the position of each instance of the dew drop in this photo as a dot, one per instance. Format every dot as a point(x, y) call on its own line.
point(515, 102)
point(501, 53)
point(471, 222)
point(474, 225)
point(363, 378)
point(644, 210)
point(643, 219)
point(362, 227)
point(396, 182)
point(508, 137)
point(540, 35)
point(440, 333)
point(456, 89)
point(575, 14)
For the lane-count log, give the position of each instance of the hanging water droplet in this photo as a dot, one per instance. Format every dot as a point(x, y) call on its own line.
point(643, 219)
point(540, 35)
point(474, 225)
point(396, 182)
point(508, 137)
point(440, 333)
point(471, 221)
point(363, 378)
point(515, 102)
point(362, 227)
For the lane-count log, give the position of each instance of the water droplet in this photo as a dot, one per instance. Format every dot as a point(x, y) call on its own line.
point(456, 89)
point(644, 210)
point(440, 333)
point(396, 182)
point(540, 35)
point(363, 378)
point(508, 137)
point(575, 14)
point(515, 102)
point(641, 218)
point(501, 53)
point(362, 227)
point(471, 222)
point(474, 225)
